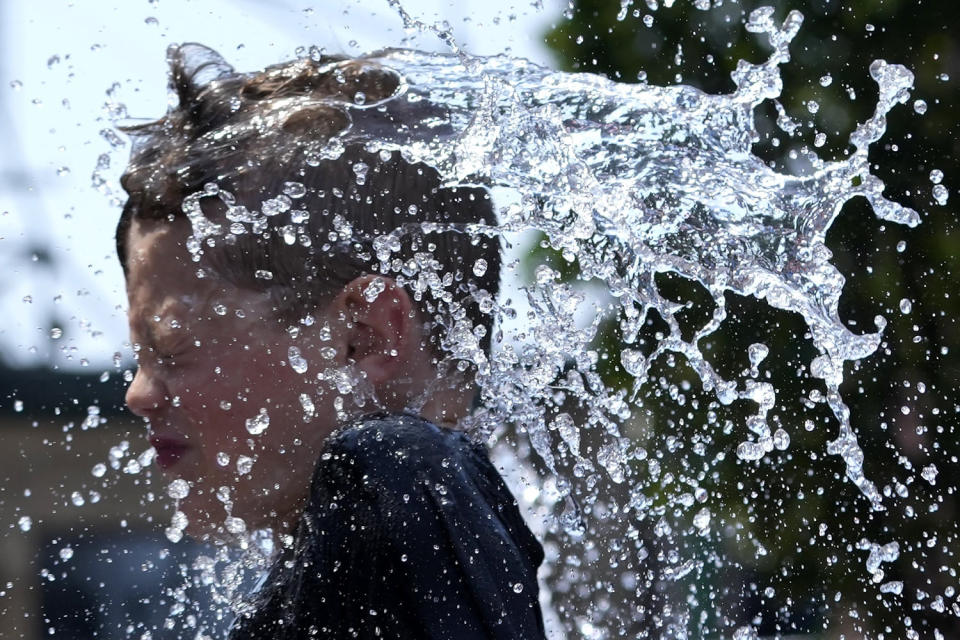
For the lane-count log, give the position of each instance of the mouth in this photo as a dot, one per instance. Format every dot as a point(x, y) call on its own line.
point(169, 450)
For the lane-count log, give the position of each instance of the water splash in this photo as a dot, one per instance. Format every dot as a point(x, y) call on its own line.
point(635, 180)
point(627, 182)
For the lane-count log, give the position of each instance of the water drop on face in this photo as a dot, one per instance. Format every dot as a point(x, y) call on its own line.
point(374, 289)
point(308, 407)
point(297, 362)
point(259, 423)
point(244, 464)
point(479, 267)
point(178, 489)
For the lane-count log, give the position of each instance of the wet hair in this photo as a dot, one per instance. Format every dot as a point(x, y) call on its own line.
point(293, 144)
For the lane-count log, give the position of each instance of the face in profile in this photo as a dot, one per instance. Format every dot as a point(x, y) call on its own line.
point(216, 386)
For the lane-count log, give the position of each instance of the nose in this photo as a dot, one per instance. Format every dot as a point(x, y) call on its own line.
point(146, 395)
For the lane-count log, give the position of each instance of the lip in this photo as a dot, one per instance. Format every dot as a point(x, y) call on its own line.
point(169, 450)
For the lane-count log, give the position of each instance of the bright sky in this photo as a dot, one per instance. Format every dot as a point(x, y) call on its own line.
point(60, 60)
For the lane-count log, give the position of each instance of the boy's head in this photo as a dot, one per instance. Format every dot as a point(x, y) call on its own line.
point(279, 278)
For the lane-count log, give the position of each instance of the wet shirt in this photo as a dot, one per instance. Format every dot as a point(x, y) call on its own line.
point(409, 532)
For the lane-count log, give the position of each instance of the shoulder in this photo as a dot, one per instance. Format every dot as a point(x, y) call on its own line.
point(387, 450)
point(397, 437)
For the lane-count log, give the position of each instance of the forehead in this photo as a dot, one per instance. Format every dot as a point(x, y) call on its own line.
point(161, 276)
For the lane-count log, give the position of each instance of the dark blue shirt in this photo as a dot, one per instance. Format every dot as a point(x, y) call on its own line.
point(409, 532)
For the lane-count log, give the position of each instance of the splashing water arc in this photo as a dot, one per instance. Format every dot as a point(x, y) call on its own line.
point(630, 181)
point(635, 180)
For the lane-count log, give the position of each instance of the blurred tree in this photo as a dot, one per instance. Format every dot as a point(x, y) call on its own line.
point(788, 547)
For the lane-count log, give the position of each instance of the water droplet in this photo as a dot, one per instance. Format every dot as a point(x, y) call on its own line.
point(308, 407)
point(702, 519)
point(99, 470)
point(920, 106)
point(479, 267)
point(25, 523)
point(757, 352)
point(16, 85)
point(259, 423)
point(929, 473)
point(18, 406)
point(894, 587)
point(374, 289)
point(223, 459)
point(750, 451)
point(940, 194)
point(294, 190)
point(56, 333)
point(234, 525)
point(781, 439)
point(66, 553)
point(826, 81)
point(77, 499)
point(936, 176)
point(244, 464)
point(745, 633)
point(518, 588)
point(178, 489)
point(360, 172)
point(297, 362)
point(906, 306)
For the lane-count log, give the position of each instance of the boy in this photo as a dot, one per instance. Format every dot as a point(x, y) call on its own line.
point(290, 321)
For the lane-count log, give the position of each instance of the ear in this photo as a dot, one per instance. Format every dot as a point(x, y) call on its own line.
point(379, 326)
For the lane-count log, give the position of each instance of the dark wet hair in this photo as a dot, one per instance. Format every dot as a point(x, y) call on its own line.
point(310, 122)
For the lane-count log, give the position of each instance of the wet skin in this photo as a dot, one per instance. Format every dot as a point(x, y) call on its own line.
point(202, 375)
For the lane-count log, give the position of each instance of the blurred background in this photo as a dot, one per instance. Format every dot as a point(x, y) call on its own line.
point(82, 553)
